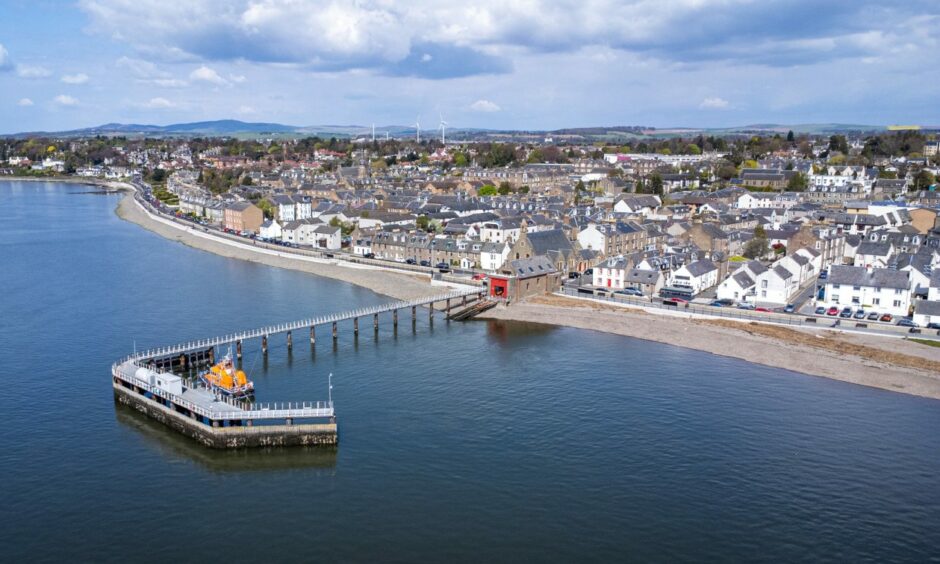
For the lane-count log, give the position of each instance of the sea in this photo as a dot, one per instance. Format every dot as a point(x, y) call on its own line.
point(458, 442)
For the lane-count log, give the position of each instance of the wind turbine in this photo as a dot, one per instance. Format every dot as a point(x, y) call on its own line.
point(443, 130)
point(418, 130)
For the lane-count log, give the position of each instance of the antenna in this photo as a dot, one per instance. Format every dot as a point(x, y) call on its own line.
point(443, 130)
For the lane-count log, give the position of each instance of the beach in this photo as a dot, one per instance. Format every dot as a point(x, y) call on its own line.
point(887, 363)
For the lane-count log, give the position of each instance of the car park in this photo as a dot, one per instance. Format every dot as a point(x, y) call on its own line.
point(821, 310)
point(859, 314)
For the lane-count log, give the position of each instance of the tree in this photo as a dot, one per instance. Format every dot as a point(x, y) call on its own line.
point(790, 136)
point(797, 182)
point(839, 143)
point(923, 180)
point(760, 232)
point(505, 188)
point(487, 190)
point(756, 248)
point(524, 189)
point(656, 184)
point(694, 149)
point(423, 222)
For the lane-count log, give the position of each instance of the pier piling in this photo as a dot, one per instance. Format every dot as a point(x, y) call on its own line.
point(290, 341)
point(395, 318)
point(375, 322)
point(356, 326)
point(313, 335)
point(414, 314)
point(238, 349)
point(264, 345)
point(334, 331)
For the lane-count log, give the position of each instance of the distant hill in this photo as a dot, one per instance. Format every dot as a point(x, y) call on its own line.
point(236, 128)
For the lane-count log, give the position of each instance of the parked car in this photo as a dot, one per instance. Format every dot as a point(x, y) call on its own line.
point(479, 276)
point(873, 316)
point(411, 261)
point(846, 313)
point(824, 275)
point(588, 272)
point(573, 275)
point(425, 263)
point(790, 308)
point(933, 326)
point(726, 302)
point(887, 317)
point(717, 303)
point(832, 311)
point(630, 292)
point(905, 322)
point(859, 314)
point(745, 306)
point(821, 310)
point(762, 309)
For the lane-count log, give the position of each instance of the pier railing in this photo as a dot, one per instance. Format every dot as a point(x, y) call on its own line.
point(295, 325)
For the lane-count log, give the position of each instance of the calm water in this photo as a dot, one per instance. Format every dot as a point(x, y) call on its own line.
point(458, 442)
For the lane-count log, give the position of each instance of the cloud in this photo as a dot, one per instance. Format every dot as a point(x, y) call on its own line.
point(158, 103)
point(80, 78)
point(714, 103)
point(24, 102)
point(148, 73)
point(237, 78)
point(484, 106)
point(205, 74)
point(65, 100)
point(485, 36)
point(32, 71)
point(245, 110)
point(5, 63)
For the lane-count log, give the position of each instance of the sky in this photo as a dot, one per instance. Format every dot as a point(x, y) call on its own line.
point(519, 64)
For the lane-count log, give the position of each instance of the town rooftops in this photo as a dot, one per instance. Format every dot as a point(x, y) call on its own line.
point(535, 266)
point(874, 278)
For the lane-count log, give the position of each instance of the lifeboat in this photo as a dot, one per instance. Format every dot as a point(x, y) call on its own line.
point(226, 379)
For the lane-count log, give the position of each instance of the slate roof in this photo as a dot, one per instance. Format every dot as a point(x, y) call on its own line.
point(535, 266)
point(926, 307)
point(877, 277)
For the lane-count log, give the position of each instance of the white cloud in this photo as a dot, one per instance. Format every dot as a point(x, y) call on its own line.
point(141, 68)
point(32, 71)
point(714, 103)
point(237, 78)
point(245, 110)
point(484, 106)
point(5, 62)
point(65, 100)
point(158, 103)
point(80, 78)
point(24, 102)
point(205, 74)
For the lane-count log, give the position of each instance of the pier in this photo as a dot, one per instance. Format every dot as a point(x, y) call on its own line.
point(147, 382)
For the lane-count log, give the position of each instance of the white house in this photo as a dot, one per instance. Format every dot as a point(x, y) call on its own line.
point(880, 289)
point(271, 230)
point(611, 273)
point(736, 286)
point(326, 237)
point(926, 312)
point(593, 237)
point(493, 255)
point(641, 205)
point(303, 207)
point(696, 276)
point(362, 247)
point(777, 285)
point(286, 211)
point(874, 254)
point(505, 230)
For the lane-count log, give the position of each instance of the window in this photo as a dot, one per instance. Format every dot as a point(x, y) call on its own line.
point(897, 303)
point(763, 293)
point(897, 292)
point(763, 284)
point(876, 301)
point(835, 298)
point(835, 286)
point(856, 288)
point(855, 300)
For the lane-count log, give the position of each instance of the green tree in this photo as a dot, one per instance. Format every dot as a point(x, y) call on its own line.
point(504, 188)
point(839, 143)
point(656, 184)
point(694, 149)
point(524, 189)
point(790, 136)
point(487, 190)
point(797, 182)
point(760, 232)
point(460, 160)
point(423, 222)
point(756, 248)
point(923, 180)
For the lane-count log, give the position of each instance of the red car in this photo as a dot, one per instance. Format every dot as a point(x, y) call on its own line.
point(763, 309)
point(887, 317)
point(479, 276)
point(679, 300)
point(832, 311)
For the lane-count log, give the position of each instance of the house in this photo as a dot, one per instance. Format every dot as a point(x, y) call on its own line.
point(637, 205)
point(270, 230)
point(737, 286)
point(285, 210)
point(926, 312)
point(505, 230)
point(493, 255)
point(551, 243)
point(777, 285)
point(874, 254)
point(242, 216)
point(326, 237)
point(650, 282)
point(884, 290)
point(695, 276)
point(520, 278)
point(610, 273)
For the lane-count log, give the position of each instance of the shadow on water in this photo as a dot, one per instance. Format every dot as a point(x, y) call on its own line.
point(173, 445)
point(502, 331)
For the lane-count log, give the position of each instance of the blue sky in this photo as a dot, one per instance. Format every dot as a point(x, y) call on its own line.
point(525, 64)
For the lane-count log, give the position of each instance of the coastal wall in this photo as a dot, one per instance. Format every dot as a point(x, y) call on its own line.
point(306, 434)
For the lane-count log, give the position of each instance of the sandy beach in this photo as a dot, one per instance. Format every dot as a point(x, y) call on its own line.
point(888, 363)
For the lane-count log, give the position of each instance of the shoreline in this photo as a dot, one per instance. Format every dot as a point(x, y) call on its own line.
point(850, 358)
point(768, 345)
